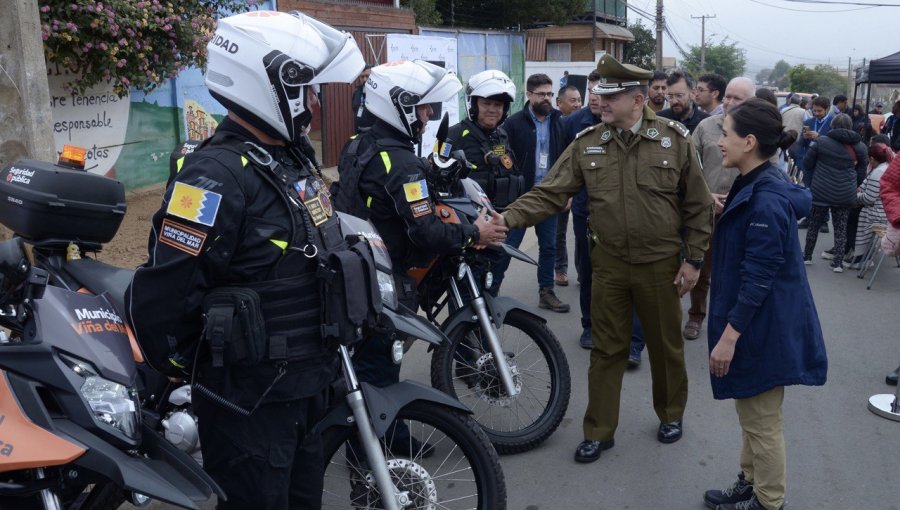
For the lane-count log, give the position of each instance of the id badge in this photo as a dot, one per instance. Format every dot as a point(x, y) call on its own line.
point(542, 160)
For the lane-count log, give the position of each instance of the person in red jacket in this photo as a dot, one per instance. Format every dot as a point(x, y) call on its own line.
point(890, 197)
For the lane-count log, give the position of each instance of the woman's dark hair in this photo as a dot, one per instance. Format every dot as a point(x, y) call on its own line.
point(857, 108)
point(880, 138)
point(761, 119)
point(767, 94)
point(880, 153)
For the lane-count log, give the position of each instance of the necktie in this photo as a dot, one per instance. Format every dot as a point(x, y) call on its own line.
point(627, 136)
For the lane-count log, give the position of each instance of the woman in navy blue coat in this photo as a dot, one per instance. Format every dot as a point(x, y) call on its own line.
point(764, 332)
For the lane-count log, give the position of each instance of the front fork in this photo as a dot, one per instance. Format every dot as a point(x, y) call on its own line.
point(390, 496)
point(479, 306)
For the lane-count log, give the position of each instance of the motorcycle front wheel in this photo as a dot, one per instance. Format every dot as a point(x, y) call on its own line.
point(464, 368)
point(445, 462)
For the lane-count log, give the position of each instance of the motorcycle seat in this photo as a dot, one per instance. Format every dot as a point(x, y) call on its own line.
point(98, 278)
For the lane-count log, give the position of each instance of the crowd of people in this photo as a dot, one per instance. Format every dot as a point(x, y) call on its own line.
point(674, 186)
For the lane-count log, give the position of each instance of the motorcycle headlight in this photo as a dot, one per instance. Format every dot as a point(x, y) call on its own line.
point(112, 404)
point(388, 291)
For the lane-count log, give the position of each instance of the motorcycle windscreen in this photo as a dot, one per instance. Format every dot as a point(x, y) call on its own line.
point(87, 327)
point(352, 225)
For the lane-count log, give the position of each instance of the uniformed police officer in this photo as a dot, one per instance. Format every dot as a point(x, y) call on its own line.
point(237, 243)
point(391, 185)
point(480, 135)
point(650, 219)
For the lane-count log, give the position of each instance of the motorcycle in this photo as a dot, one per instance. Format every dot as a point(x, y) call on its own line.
point(365, 461)
point(71, 423)
point(501, 359)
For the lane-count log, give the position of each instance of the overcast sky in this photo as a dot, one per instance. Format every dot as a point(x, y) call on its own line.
point(770, 30)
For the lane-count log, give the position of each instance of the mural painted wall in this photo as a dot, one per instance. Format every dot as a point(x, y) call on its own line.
point(131, 138)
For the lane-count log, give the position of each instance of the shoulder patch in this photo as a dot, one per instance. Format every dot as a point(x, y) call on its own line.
point(194, 204)
point(585, 131)
point(415, 191)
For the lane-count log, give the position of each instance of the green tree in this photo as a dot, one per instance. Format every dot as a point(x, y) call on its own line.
point(425, 10)
point(723, 58)
point(505, 14)
point(822, 79)
point(642, 51)
point(762, 77)
point(133, 44)
point(779, 76)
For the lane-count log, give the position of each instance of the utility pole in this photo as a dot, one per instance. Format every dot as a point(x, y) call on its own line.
point(26, 124)
point(703, 39)
point(850, 77)
point(660, 25)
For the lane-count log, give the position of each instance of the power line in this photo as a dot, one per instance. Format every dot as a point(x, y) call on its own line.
point(821, 2)
point(818, 11)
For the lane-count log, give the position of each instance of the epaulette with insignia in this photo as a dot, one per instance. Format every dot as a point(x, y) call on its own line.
point(585, 131)
point(678, 126)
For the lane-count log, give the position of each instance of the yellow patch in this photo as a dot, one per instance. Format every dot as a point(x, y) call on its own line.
point(415, 191)
point(194, 204)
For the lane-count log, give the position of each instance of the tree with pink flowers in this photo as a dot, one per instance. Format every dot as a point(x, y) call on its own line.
point(135, 44)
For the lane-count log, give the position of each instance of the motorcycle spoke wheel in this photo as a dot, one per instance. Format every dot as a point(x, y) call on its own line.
point(465, 369)
point(450, 464)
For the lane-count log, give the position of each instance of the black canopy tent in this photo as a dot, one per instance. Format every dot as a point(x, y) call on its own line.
point(881, 70)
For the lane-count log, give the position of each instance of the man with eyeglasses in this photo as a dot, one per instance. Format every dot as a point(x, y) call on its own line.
point(536, 138)
point(709, 93)
point(719, 179)
point(681, 102)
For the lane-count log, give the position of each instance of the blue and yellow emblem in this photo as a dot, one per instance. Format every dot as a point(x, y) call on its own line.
point(415, 191)
point(194, 204)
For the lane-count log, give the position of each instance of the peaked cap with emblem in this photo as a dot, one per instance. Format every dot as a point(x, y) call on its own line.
point(616, 77)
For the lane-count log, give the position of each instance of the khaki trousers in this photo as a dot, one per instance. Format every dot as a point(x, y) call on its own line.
point(616, 287)
point(762, 454)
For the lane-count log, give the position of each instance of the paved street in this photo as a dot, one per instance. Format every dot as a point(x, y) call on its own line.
point(840, 455)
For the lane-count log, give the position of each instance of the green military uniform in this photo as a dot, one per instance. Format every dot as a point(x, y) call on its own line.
point(649, 209)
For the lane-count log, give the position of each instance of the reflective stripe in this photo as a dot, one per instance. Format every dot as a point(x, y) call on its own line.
point(244, 161)
point(369, 202)
point(353, 137)
point(465, 132)
point(281, 244)
point(386, 158)
point(179, 163)
point(474, 166)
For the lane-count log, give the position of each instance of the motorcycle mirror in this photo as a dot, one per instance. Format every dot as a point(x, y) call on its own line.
point(442, 129)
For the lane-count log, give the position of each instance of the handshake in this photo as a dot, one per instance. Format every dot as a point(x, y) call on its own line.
point(492, 229)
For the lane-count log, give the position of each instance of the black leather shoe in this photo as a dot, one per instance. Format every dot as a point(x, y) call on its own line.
point(891, 378)
point(589, 451)
point(669, 432)
point(586, 341)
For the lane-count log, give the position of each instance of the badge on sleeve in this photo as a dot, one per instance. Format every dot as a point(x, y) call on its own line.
point(181, 237)
point(415, 191)
point(420, 208)
point(194, 204)
point(665, 142)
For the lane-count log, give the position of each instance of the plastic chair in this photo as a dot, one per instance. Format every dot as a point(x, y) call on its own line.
point(872, 252)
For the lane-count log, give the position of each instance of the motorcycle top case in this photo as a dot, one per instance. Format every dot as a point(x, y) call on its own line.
point(41, 201)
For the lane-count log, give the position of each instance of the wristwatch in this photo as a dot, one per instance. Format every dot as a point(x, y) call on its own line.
point(697, 263)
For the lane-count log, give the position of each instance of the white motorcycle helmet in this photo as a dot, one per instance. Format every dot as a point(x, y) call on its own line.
point(393, 91)
point(490, 84)
point(261, 63)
